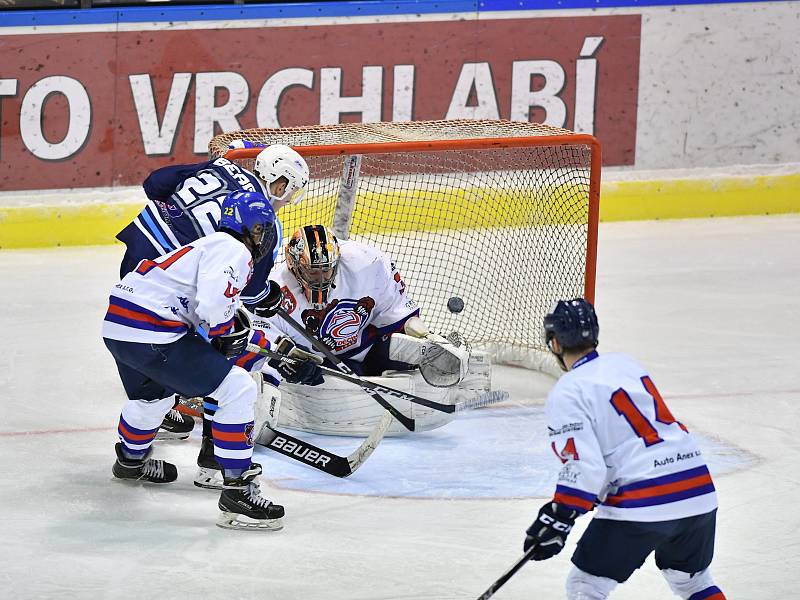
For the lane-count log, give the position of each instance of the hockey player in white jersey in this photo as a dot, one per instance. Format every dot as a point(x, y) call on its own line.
point(351, 296)
point(184, 204)
point(150, 328)
point(625, 456)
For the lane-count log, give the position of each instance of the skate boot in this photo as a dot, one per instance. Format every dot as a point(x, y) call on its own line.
point(145, 469)
point(175, 426)
point(243, 507)
point(209, 473)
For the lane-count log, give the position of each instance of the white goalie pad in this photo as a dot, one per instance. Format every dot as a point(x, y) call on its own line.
point(338, 408)
point(441, 363)
point(268, 404)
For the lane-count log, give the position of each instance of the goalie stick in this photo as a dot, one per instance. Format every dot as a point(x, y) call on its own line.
point(407, 422)
point(507, 575)
point(370, 386)
point(313, 456)
point(342, 466)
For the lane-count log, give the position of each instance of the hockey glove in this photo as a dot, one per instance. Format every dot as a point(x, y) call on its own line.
point(549, 531)
point(297, 365)
point(268, 307)
point(234, 342)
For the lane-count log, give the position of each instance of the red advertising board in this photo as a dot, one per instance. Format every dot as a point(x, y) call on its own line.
point(101, 109)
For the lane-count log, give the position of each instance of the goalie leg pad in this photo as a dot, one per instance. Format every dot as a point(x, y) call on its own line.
point(337, 408)
point(478, 379)
point(268, 404)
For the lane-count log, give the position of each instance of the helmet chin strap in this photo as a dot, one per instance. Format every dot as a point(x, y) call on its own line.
point(559, 356)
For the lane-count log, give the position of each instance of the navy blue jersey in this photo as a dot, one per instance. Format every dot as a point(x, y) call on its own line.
point(184, 205)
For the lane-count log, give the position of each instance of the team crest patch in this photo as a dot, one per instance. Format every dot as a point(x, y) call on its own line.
point(342, 325)
point(289, 302)
point(248, 434)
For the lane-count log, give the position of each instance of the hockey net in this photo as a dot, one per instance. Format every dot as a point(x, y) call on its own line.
point(500, 214)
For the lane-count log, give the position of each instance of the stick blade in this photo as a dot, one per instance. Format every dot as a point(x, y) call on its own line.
point(303, 452)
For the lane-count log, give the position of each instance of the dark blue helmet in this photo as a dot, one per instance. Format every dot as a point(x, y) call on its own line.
point(573, 323)
point(250, 217)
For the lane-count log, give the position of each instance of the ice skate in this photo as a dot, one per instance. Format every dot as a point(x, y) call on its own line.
point(175, 426)
point(209, 473)
point(145, 469)
point(243, 507)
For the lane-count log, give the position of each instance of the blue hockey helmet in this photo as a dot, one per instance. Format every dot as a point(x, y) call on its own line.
point(249, 216)
point(573, 323)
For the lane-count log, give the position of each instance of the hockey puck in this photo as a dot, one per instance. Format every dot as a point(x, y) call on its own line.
point(455, 304)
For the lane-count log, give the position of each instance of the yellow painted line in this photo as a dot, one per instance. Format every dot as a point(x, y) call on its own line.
point(91, 224)
point(72, 225)
point(698, 198)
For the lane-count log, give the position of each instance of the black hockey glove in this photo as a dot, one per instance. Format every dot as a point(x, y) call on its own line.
point(297, 365)
point(234, 343)
point(268, 307)
point(549, 531)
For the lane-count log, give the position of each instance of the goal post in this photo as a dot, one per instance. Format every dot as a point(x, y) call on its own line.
point(500, 214)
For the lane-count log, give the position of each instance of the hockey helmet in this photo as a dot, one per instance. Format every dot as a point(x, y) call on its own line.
point(573, 323)
point(279, 160)
point(312, 256)
point(249, 216)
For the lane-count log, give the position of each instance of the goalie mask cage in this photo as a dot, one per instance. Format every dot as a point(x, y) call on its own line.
point(501, 214)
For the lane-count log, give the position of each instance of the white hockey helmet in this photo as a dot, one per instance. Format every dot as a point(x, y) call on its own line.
point(279, 160)
point(312, 256)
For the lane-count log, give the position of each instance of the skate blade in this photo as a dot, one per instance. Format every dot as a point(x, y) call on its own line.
point(228, 520)
point(168, 436)
point(208, 479)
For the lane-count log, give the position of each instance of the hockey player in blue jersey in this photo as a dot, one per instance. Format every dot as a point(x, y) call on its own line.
point(150, 329)
point(626, 457)
point(184, 205)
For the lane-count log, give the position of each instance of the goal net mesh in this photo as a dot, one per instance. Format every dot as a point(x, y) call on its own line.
point(505, 227)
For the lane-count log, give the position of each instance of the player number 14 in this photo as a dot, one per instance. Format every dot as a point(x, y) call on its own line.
point(643, 428)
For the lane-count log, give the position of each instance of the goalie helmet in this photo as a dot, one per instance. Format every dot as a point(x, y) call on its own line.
point(573, 323)
point(312, 256)
point(249, 217)
point(282, 161)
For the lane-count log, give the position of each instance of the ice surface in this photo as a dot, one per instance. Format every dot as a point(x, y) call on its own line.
point(710, 306)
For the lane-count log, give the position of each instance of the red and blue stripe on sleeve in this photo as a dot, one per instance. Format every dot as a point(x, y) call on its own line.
point(574, 498)
point(248, 360)
point(221, 329)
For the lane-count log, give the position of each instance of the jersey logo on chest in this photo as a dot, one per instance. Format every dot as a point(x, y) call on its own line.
point(341, 322)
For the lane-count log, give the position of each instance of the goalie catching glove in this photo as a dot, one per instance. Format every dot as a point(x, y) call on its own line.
point(442, 363)
point(297, 365)
point(549, 531)
point(234, 343)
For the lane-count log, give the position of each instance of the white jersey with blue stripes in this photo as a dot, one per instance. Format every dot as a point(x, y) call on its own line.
point(369, 300)
point(196, 286)
point(620, 447)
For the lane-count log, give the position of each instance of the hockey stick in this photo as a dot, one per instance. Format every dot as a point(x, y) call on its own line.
point(313, 456)
point(507, 575)
point(342, 466)
point(370, 386)
point(407, 422)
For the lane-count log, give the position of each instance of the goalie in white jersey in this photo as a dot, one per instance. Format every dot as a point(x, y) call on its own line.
point(624, 455)
point(351, 296)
